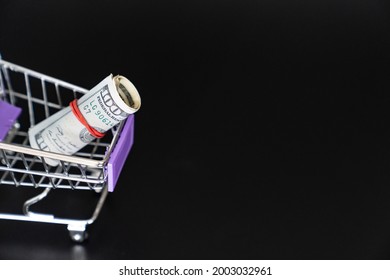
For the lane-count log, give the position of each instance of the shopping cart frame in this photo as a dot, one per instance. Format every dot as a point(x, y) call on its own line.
point(96, 168)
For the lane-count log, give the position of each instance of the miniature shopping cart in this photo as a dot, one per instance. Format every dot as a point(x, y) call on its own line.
point(28, 97)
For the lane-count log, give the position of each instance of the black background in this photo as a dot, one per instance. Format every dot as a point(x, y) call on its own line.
point(264, 131)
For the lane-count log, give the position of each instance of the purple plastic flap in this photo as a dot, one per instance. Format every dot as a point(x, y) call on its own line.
point(8, 116)
point(120, 152)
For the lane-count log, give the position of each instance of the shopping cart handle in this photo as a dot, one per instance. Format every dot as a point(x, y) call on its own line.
point(8, 116)
point(120, 152)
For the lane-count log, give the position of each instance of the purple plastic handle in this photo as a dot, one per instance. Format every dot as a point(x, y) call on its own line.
point(8, 116)
point(120, 152)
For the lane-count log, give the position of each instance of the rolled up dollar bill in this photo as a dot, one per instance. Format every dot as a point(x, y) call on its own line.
point(72, 128)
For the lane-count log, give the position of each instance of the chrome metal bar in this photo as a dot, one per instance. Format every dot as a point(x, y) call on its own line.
point(45, 101)
point(33, 200)
point(35, 100)
point(27, 166)
point(38, 217)
point(8, 168)
point(47, 169)
point(40, 153)
point(46, 185)
point(21, 69)
point(58, 94)
point(9, 85)
point(30, 104)
point(54, 175)
point(2, 84)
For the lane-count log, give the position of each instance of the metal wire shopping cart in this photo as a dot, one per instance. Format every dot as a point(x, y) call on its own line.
point(96, 167)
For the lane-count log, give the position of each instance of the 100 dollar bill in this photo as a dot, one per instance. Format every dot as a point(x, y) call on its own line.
point(104, 106)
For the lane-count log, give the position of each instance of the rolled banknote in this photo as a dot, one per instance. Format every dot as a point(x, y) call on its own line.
point(72, 128)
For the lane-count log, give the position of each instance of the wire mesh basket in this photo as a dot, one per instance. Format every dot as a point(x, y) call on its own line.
point(28, 97)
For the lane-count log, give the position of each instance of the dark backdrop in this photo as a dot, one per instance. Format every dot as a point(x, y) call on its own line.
point(264, 131)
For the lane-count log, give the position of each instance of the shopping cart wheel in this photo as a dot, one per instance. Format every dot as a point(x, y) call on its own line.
point(77, 233)
point(78, 236)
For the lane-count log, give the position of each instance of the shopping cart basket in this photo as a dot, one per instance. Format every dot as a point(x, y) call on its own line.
point(96, 167)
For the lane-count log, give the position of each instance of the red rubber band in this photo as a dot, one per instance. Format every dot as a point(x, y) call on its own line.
point(80, 117)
